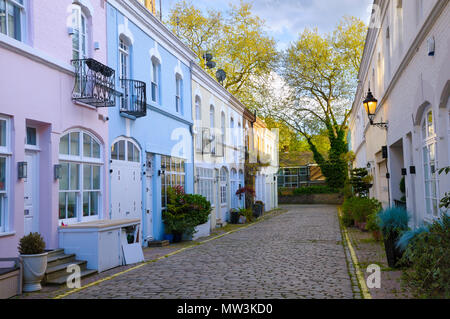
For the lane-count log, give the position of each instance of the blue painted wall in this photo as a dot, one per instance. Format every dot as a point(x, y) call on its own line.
point(161, 130)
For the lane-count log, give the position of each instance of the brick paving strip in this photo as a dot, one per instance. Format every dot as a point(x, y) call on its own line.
point(368, 252)
point(298, 253)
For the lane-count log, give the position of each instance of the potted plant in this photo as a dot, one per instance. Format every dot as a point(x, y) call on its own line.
point(258, 209)
point(184, 212)
point(393, 222)
point(246, 215)
point(34, 259)
point(373, 226)
point(234, 216)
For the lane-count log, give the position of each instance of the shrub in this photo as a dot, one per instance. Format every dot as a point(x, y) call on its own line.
point(315, 190)
point(373, 222)
point(247, 213)
point(428, 254)
point(393, 221)
point(31, 244)
point(185, 211)
point(359, 209)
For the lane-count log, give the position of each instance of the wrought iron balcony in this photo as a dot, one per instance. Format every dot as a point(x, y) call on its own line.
point(134, 98)
point(94, 83)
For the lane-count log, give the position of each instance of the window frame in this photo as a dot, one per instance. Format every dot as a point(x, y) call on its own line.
point(178, 94)
point(168, 175)
point(5, 152)
point(82, 161)
point(22, 15)
point(430, 141)
point(155, 82)
point(78, 28)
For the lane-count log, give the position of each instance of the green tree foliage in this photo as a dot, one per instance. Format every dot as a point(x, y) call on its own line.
point(322, 72)
point(237, 40)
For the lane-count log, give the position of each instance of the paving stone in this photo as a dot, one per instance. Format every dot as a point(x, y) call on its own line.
point(293, 255)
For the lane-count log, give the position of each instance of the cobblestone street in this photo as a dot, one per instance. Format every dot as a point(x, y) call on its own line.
point(297, 254)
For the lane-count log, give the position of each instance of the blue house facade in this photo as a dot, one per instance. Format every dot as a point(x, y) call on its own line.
point(151, 131)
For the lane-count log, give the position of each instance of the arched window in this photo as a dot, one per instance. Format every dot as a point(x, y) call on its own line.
point(430, 164)
point(222, 132)
point(223, 185)
point(156, 85)
point(124, 150)
point(212, 127)
point(198, 124)
point(80, 34)
point(81, 163)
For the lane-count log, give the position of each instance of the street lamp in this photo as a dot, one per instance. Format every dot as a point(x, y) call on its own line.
point(370, 105)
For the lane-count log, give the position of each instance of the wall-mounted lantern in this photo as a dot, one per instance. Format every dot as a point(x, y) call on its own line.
point(412, 170)
point(57, 171)
point(404, 172)
point(370, 105)
point(22, 170)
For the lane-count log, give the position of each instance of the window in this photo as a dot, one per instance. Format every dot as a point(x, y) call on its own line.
point(178, 99)
point(430, 165)
point(205, 186)
point(124, 68)
point(223, 186)
point(155, 81)
point(4, 173)
point(212, 126)
point(173, 174)
point(79, 36)
point(198, 125)
point(125, 151)
point(31, 136)
point(12, 18)
point(80, 183)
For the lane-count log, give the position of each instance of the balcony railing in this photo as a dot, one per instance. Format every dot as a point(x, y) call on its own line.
point(134, 99)
point(94, 83)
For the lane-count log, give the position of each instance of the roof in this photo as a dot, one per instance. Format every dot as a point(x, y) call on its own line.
point(294, 159)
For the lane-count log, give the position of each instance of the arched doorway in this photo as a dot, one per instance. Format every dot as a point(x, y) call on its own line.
point(223, 198)
point(126, 184)
point(234, 186)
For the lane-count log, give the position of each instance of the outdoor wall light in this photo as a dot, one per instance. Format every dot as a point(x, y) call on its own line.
point(412, 170)
point(370, 105)
point(57, 171)
point(404, 172)
point(22, 168)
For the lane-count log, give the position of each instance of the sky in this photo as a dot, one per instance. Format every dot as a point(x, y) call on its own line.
point(285, 19)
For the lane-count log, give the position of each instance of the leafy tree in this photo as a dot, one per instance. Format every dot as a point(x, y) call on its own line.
point(322, 72)
point(237, 40)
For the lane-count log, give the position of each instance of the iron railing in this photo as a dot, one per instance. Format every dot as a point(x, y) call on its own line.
point(134, 98)
point(94, 83)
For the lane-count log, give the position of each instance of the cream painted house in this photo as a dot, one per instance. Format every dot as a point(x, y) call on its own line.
point(406, 66)
point(218, 145)
point(266, 144)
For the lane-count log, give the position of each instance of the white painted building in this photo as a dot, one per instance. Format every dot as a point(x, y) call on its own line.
point(406, 64)
point(266, 144)
point(218, 146)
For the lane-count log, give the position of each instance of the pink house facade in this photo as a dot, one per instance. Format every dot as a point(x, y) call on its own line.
point(53, 123)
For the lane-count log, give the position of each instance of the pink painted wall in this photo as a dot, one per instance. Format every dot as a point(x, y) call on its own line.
point(33, 91)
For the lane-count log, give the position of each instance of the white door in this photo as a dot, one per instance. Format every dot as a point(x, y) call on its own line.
point(149, 199)
point(126, 190)
point(31, 212)
point(223, 194)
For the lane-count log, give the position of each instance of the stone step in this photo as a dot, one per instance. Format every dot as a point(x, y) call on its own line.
point(55, 252)
point(61, 269)
point(158, 243)
point(63, 279)
point(59, 259)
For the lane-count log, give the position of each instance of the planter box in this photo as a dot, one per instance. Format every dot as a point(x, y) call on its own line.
point(10, 279)
point(328, 199)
